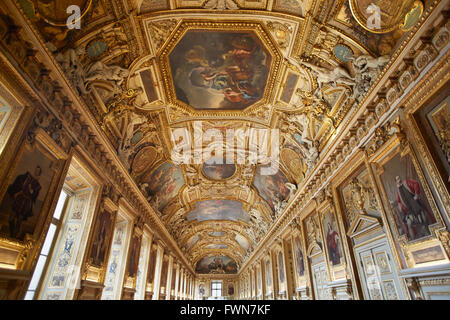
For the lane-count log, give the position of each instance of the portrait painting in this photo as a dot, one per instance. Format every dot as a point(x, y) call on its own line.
point(26, 192)
point(133, 255)
point(163, 185)
point(333, 241)
point(218, 169)
point(268, 275)
point(281, 268)
point(230, 289)
point(218, 210)
point(219, 70)
point(102, 237)
point(151, 267)
point(299, 261)
point(410, 208)
point(201, 290)
point(271, 188)
point(216, 265)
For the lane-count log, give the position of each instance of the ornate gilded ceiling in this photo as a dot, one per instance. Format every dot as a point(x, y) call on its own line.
point(220, 79)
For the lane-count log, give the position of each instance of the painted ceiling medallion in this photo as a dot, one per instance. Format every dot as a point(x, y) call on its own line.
point(216, 170)
point(54, 12)
point(219, 66)
point(381, 16)
point(218, 210)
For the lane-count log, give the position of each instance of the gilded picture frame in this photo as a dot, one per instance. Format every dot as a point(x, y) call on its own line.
point(412, 213)
point(27, 198)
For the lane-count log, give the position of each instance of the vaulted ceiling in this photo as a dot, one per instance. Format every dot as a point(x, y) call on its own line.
point(260, 83)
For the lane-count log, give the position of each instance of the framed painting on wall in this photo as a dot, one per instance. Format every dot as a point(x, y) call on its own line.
point(281, 274)
point(268, 273)
point(28, 190)
point(133, 255)
point(299, 263)
point(412, 211)
point(102, 238)
point(432, 123)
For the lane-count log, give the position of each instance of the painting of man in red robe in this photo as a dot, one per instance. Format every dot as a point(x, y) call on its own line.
point(415, 214)
point(409, 205)
point(333, 245)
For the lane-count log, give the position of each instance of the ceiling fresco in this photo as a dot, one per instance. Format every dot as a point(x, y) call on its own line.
point(218, 210)
point(218, 169)
point(219, 70)
point(216, 265)
point(158, 76)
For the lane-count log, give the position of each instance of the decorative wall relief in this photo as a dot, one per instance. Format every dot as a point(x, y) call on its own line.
point(359, 197)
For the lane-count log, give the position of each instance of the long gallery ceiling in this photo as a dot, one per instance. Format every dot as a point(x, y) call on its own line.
point(156, 74)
